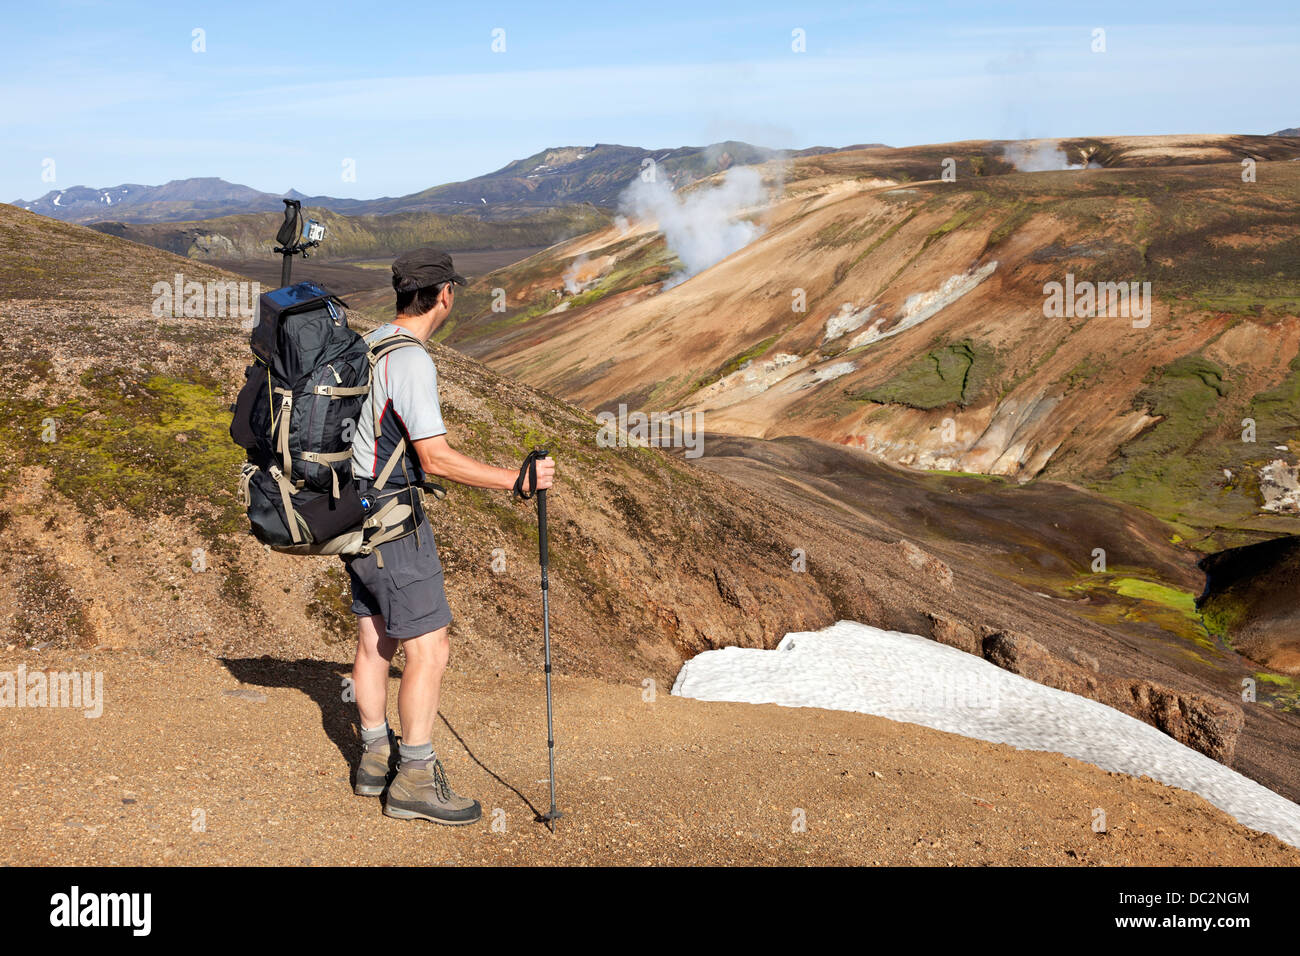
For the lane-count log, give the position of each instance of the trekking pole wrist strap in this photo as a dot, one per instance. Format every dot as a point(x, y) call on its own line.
point(529, 470)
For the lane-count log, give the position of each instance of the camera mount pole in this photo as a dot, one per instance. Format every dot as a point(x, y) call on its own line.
point(289, 238)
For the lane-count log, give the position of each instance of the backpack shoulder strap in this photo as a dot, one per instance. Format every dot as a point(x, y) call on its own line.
point(392, 343)
point(379, 350)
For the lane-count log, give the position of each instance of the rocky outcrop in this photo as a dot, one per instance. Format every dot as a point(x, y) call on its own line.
point(1206, 724)
point(1013, 439)
point(955, 634)
point(926, 563)
point(1202, 723)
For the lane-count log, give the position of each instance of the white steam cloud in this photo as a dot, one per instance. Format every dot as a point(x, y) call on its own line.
point(703, 227)
point(1037, 157)
point(573, 284)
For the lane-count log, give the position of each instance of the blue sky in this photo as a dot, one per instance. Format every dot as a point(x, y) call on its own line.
point(413, 94)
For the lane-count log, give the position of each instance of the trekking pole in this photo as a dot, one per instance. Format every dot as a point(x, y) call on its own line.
point(530, 469)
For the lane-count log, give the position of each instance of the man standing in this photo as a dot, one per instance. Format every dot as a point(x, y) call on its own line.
point(400, 600)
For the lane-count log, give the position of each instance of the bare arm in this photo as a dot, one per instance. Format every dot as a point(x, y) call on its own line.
point(437, 457)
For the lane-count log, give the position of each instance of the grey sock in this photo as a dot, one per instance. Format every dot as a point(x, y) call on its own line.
point(417, 755)
point(374, 738)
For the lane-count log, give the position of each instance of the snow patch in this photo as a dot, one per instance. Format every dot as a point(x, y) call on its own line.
point(923, 305)
point(859, 668)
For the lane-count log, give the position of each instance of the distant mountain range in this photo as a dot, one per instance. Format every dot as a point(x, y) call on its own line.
point(560, 176)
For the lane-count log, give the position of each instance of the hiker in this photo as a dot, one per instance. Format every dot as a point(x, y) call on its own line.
point(397, 591)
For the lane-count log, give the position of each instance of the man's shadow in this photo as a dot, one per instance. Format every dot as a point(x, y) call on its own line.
point(324, 683)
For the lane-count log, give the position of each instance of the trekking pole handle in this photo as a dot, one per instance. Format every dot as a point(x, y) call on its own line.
point(528, 472)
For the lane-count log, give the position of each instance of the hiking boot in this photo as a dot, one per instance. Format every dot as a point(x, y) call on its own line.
point(378, 762)
point(422, 793)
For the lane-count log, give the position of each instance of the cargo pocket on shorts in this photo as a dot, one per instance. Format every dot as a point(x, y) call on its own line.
point(417, 562)
point(417, 600)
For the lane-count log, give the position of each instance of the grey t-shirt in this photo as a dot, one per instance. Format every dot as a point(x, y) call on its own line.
point(405, 390)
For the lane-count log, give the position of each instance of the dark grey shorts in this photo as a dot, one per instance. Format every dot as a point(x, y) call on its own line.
point(407, 591)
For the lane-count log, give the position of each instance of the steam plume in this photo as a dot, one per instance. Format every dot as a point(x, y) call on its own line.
point(702, 227)
point(1037, 157)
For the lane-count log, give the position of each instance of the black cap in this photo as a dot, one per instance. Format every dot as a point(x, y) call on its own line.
point(423, 267)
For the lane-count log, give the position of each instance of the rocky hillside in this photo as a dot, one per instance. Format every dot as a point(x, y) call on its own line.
point(909, 318)
point(123, 530)
point(193, 198)
point(587, 174)
point(925, 322)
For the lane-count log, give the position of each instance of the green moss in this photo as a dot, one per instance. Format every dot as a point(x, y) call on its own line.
point(845, 231)
point(1122, 599)
point(1279, 691)
point(1084, 374)
point(587, 297)
point(1277, 410)
point(1169, 467)
point(973, 475)
point(1223, 614)
point(830, 236)
point(1280, 680)
point(444, 331)
point(1252, 303)
point(956, 221)
point(946, 375)
point(644, 262)
point(843, 269)
point(1176, 599)
point(149, 446)
point(754, 353)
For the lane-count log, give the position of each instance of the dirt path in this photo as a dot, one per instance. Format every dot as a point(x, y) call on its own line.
point(668, 781)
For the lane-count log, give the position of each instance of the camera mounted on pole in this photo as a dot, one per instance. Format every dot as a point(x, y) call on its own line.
point(296, 236)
